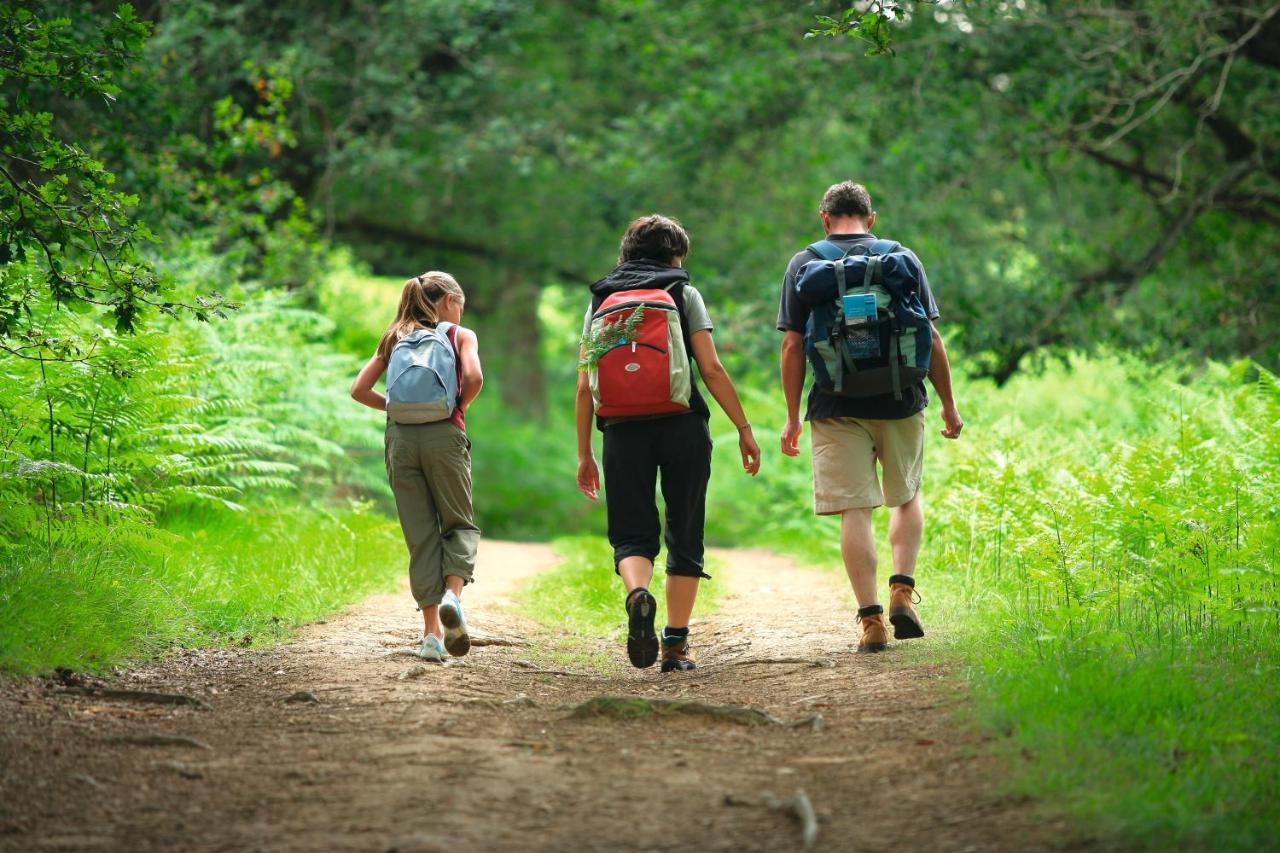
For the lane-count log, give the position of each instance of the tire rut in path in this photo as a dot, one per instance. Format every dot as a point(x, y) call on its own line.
point(484, 754)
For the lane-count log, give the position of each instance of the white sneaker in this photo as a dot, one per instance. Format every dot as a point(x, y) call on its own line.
point(431, 649)
point(456, 639)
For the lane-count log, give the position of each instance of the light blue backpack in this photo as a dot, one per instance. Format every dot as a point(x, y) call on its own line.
point(422, 377)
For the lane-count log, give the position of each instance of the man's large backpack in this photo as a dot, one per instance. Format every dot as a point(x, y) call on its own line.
point(422, 376)
point(645, 367)
point(868, 332)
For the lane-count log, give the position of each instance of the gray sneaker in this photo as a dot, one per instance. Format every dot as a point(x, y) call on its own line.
point(431, 649)
point(456, 638)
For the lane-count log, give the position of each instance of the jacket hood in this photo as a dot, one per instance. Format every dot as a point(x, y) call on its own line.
point(642, 274)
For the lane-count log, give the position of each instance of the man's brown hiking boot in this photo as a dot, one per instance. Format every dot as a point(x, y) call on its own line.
point(875, 634)
point(677, 657)
point(902, 612)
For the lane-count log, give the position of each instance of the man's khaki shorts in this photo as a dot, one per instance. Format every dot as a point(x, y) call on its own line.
point(845, 452)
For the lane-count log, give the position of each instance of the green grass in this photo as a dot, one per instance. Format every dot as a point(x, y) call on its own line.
point(103, 596)
point(581, 598)
point(1101, 553)
point(1163, 749)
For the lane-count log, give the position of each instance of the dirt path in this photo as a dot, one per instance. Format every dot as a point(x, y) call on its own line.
point(484, 753)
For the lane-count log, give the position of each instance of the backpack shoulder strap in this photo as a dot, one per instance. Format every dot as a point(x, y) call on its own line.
point(826, 250)
point(451, 333)
point(884, 247)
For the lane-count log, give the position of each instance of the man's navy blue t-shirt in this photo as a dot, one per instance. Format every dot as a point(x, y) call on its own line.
point(792, 315)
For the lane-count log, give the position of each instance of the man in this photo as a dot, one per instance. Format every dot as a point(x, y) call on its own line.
point(852, 434)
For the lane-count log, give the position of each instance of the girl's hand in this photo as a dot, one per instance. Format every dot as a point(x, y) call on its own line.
point(589, 477)
point(749, 449)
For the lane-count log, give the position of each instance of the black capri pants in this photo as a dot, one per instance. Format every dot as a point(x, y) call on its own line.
point(635, 453)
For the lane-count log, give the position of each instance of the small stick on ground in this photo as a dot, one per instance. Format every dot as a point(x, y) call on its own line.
point(814, 723)
point(162, 740)
point(636, 707)
point(136, 696)
point(497, 641)
point(519, 699)
point(533, 667)
point(801, 809)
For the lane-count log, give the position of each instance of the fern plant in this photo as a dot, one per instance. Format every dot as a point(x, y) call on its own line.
point(598, 340)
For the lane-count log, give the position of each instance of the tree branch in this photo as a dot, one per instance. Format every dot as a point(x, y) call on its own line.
point(360, 227)
point(1126, 277)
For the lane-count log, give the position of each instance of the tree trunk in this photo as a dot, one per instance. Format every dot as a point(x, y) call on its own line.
point(512, 342)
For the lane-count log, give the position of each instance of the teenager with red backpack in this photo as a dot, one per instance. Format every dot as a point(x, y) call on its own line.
point(645, 329)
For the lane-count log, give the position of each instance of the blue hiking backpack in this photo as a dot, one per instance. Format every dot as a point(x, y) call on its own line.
point(422, 377)
point(868, 332)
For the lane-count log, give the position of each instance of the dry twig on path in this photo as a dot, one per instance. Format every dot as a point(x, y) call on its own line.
point(798, 807)
point(519, 699)
point(153, 739)
point(801, 809)
point(533, 667)
point(498, 641)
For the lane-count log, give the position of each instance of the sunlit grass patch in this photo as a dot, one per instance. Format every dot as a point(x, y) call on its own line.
point(1100, 560)
point(102, 596)
point(581, 599)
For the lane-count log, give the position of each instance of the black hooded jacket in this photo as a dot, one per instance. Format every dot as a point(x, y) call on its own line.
point(649, 275)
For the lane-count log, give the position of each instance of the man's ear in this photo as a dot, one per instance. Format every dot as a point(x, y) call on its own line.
point(871, 222)
point(826, 220)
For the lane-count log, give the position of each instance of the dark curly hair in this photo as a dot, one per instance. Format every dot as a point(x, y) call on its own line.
point(654, 237)
point(846, 199)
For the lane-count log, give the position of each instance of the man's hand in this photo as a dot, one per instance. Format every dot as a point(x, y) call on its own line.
point(589, 477)
point(952, 422)
point(791, 438)
point(749, 449)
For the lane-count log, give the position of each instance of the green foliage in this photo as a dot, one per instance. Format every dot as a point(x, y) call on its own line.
point(870, 24)
point(70, 230)
point(1101, 545)
point(179, 414)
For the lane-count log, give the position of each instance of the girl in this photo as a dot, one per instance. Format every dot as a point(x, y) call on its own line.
point(429, 466)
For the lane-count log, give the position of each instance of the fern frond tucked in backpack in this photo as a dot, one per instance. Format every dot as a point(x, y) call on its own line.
point(603, 337)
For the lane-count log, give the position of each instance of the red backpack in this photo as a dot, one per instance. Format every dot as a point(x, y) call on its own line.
point(645, 368)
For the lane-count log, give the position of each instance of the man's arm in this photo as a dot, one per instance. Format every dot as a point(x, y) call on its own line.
point(793, 370)
point(940, 377)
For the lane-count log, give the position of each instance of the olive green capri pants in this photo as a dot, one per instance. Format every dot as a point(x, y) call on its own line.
point(429, 467)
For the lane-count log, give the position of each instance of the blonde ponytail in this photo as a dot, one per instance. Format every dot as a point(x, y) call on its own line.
point(419, 307)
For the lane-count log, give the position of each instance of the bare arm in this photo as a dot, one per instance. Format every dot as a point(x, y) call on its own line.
point(940, 378)
point(583, 409)
point(721, 388)
point(362, 388)
point(472, 375)
point(793, 370)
